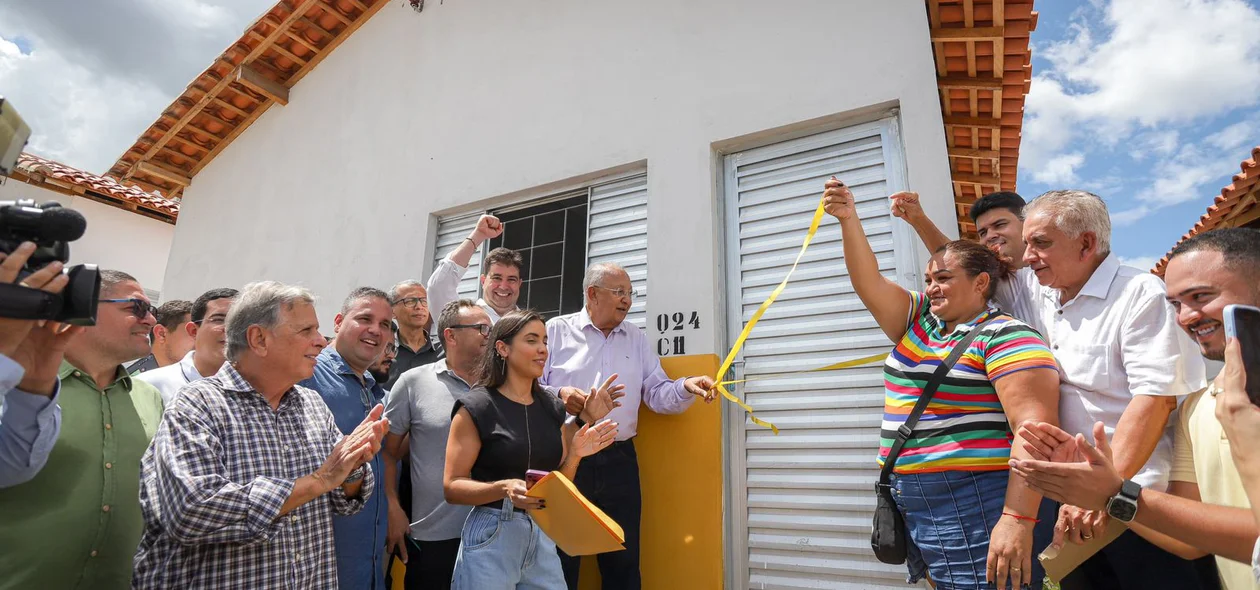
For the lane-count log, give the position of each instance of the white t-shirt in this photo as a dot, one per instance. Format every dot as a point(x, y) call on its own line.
point(1116, 339)
point(170, 379)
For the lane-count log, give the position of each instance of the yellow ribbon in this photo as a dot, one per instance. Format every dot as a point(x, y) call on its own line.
point(743, 335)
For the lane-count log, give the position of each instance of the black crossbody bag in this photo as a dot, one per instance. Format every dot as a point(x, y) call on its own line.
point(888, 530)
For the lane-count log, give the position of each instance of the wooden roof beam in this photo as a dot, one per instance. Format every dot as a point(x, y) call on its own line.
point(976, 179)
point(332, 11)
point(229, 106)
point(252, 79)
point(158, 171)
point(969, 83)
point(968, 33)
point(957, 152)
point(312, 25)
point(304, 6)
point(197, 127)
point(280, 48)
point(976, 122)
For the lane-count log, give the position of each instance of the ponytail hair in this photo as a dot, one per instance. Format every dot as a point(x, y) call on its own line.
point(975, 259)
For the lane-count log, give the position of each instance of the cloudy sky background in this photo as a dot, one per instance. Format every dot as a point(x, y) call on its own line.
point(1149, 103)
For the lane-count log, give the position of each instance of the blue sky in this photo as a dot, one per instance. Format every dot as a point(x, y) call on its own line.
point(1150, 104)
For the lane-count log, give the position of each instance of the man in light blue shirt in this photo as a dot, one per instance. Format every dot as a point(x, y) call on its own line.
point(30, 355)
point(363, 329)
point(585, 348)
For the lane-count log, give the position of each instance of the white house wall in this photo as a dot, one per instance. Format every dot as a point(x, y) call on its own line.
point(115, 238)
point(473, 101)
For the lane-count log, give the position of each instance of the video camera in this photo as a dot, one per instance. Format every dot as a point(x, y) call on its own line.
point(51, 227)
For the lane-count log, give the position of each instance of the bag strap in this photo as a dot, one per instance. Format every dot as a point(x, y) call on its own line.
point(929, 390)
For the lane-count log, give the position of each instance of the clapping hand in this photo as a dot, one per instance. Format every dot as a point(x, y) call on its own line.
point(591, 439)
point(600, 401)
point(355, 449)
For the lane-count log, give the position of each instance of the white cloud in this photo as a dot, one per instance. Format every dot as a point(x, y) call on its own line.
point(1060, 170)
point(98, 73)
point(1129, 216)
point(1136, 77)
point(1156, 143)
point(1238, 136)
point(76, 116)
point(1142, 262)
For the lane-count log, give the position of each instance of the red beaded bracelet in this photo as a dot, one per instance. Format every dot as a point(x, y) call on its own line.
point(1020, 517)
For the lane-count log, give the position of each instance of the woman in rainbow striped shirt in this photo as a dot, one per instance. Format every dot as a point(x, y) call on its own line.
point(966, 525)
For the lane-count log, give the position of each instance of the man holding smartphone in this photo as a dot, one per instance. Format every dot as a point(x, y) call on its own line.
point(1206, 509)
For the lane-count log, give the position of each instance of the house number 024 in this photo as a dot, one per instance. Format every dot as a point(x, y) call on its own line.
point(670, 344)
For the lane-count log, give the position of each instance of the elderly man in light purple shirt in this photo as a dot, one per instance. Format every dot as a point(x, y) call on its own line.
point(585, 348)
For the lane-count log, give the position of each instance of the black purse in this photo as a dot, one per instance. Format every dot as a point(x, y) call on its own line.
point(888, 529)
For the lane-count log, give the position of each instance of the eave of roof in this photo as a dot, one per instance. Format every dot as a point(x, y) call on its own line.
point(984, 71)
point(255, 72)
point(1237, 205)
point(64, 179)
point(981, 51)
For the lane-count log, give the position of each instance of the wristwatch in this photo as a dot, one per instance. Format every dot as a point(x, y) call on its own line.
point(1123, 506)
point(355, 475)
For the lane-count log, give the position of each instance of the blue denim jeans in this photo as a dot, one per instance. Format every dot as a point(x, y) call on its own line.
point(502, 549)
point(948, 519)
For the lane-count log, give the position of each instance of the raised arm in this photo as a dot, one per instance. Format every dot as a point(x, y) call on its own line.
point(905, 205)
point(443, 284)
point(886, 300)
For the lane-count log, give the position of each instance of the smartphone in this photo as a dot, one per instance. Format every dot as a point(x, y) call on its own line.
point(532, 476)
point(1242, 322)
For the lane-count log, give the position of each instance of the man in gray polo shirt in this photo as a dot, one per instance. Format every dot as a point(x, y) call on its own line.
point(420, 403)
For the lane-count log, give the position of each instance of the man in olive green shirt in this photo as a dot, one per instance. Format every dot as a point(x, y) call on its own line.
point(77, 523)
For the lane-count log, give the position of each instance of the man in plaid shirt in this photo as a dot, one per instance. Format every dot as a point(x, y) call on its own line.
point(240, 485)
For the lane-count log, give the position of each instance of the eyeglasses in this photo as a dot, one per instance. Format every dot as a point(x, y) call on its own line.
point(215, 320)
point(619, 293)
point(483, 328)
point(139, 307)
point(412, 302)
point(391, 348)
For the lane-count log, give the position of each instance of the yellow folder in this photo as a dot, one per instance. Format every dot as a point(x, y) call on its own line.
point(576, 525)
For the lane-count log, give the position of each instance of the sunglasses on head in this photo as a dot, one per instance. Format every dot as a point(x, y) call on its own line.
point(139, 307)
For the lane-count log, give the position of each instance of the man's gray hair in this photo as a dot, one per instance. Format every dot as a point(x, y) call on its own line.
point(597, 273)
point(1075, 212)
point(259, 304)
point(394, 291)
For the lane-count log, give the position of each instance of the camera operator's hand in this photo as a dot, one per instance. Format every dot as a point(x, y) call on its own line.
point(38, 346)
point(50, 278)
point(41, 353)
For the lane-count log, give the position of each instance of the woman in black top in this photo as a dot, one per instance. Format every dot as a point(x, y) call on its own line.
point(503, 428)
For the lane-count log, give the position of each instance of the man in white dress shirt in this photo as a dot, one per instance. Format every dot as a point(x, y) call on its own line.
point(209, 313)
point(500, 273)
point(1123, 361)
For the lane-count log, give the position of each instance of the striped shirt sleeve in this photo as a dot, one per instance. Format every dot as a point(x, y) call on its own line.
point(918, 308)
point(1015, 347)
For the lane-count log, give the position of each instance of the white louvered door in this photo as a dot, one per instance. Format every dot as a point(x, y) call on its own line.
point(617, 232)
point(800, 503)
